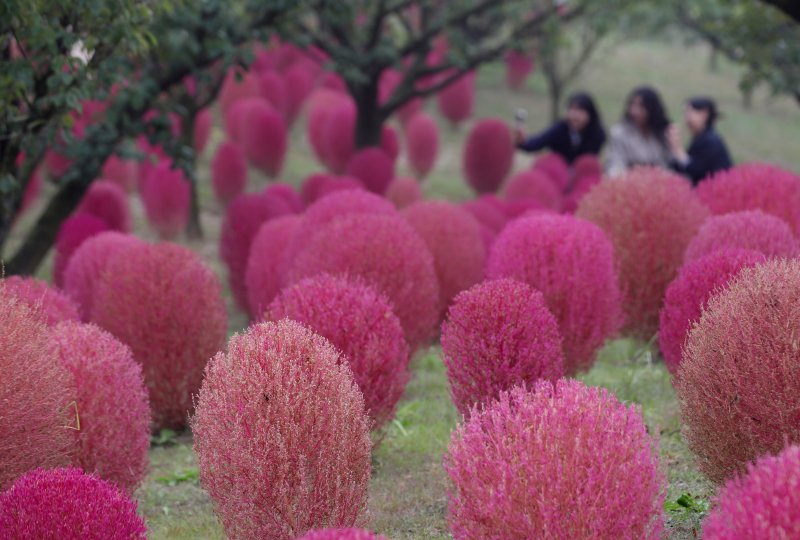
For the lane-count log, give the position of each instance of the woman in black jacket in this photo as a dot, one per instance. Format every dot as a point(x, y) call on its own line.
point(707, 152)
point(580, 132)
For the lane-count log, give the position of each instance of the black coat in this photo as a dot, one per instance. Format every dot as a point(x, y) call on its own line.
point(559, 139)
point(707, 154)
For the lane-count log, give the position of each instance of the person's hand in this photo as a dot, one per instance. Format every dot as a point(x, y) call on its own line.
point(519, 136)
point(674, 138)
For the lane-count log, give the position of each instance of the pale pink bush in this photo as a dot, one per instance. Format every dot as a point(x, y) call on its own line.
point(688, 294)
point(554, 166)
point(454, 239)
point(534, 185)
point(342, 534)
point(36, 419)
point(403, 192)
point(571, 262)
point(228, 172)
point(753, 186)
point(488, 155)
point(750, 229)
point(457, 101)
point(580, 188)
point(499, 334)
point(562, 461)
point(359, 322)
point(166, 196)
point(233, 90)
point(387, 253)
point(267, 263)
point(281, 436)
point(374, 167)
point(122, 172)
point(586, 165)
point(202, 130)
point(518, 67)
point(108, 202)
point(422, 143)
point(52, 305)
point(73, 232)
point(763, 503)
point(165, 304)
point(739, 380)
point(111, 401)
point(650, 216)
point(264, 139)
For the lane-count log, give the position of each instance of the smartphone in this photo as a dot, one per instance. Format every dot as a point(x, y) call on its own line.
point(520, 116)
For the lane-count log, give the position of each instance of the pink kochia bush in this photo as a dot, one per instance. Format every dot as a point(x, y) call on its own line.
point(166, 197)
point(228, 172)
point(456, 102)
point(688, 294)
point(572, 263)
point(499, 334)
point(488, 155)
point(267, 263)
point(403, 192)
point(111, 400)
point(753, 186)
point(281, 436)
point(263, 138)
point(422, 143)
point(763, 503)
point(359, 322)
point(342, 534)
point(750, 229)
point(739, 380)
point(561, 461)
point(53, 305)
point(338, 139)
point(122, 172)
point(388, 254)
point(165, 304)
point(374, 167)
point(537, 186)
point(109, 202)
point(518, 67)
point(202, 130)
point(35, 418)
point(73, 232)
point(68, 504)
point(554, 166)
point(454, 239)
point(650, 216)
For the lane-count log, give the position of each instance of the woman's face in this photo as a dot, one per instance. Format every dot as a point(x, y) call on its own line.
point(637, 113)
point(696, 119)
point(577, 118)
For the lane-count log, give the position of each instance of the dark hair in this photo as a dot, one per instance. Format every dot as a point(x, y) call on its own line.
point(584, 101)
point(703, 103)
point(657, 119)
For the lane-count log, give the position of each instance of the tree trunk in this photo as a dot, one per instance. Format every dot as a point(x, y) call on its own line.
point(194, 230)
point(369, 124)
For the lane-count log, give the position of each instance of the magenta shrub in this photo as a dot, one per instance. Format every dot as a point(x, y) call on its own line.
point(114, 412)
point(288, 194)
point(580, 188)
point(374, 167)
point(403, 192)
point(456, 102)
point(422, 143)
point(454, 239)
point(739, 380)
point(67, 504)
point(273, 90)
point(73, 232)
point(499, 334)
point(264, 139)
point(339, 133)
point(165, 304)
point(280, 421)
point(228, 172)
point(202, 130)
point(53, 305)
point(235, 115)
point(572, 263)
point(233, 90)
point(359, 322)
point(554, 166)
point(268, 263)
point(108, 202)
point(166, 197)
point(518, 67)
point(299, 84)
point(763, 503)
point(321, 104)
point(35, 394)
point(753, 186)
point(587, 165)
point(650, 216)
point(534, 185)
point(122, 172)
point(342, 534)
point(488, 210)
point(390, 143)
point(751, 229)
point(688, 294)
point(387, 253)
point(563, 458)
point(488, 155)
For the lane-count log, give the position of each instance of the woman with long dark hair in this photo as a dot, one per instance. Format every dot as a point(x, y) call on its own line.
point(579, 132)
point(707, 152)
point(641, 137)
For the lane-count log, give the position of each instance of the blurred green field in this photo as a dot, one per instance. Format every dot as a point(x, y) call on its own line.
point(408, 489)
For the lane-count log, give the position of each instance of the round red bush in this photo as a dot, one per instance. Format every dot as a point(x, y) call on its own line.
point(572, 263)
point(564, 458)
point(233, 90)
point(288, 194)
point(422, 143)
point(554, 166)
point(267, 263)
point(122, 172)
point(114, 412)
point(299, 84)
point(586, 165)
point(166, 197)
point(374, 167)
point(280, 421)
point(165, 304)
point(580, 188)
point(202, 130)
point(228, 172)
point(488, 155)
point(53, 305)
point(108, 202)
point(69, 505)
point(273, 89)
point(456, 101)
point(739, 380)
point(387, 253)
point(235, 115)
point(499, 334)
point(359, 322)
point(688, 294)
point(763, 503)
point(518, 67)
point(263, 138)
point(488, 210)
point(752, 186)
point(321, 104)
point(35, 418)
point(650, 216)
point(536, 186)
point(73, 232)
point(403, 192)
point(342, 534)
point(751, 229)
point(339, 133)
point(390, 143)
point(454, 239)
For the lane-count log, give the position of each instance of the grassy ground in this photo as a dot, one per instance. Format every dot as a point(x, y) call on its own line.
point(408, 488)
